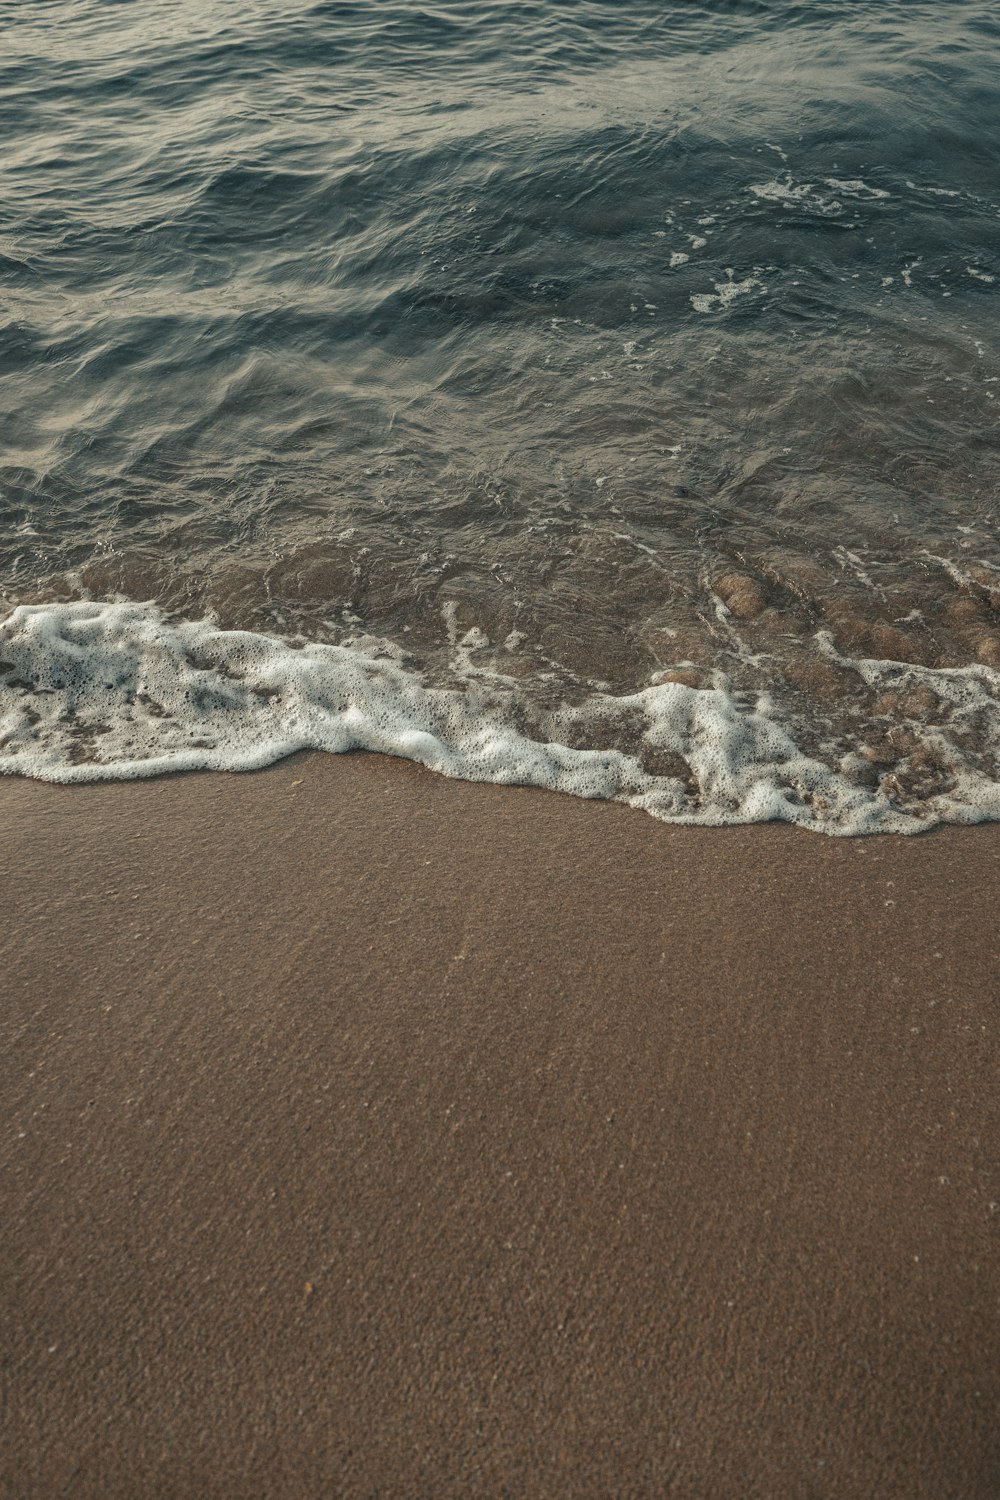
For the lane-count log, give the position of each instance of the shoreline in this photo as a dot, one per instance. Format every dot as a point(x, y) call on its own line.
point(102, 691)
point(371, 1132)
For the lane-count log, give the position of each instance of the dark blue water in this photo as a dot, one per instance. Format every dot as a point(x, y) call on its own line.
point(642, 340)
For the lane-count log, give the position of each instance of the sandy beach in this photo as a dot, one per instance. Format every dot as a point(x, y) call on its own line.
point(369, 1134)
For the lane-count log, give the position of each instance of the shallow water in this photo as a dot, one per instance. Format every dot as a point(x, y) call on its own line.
point(564, 351)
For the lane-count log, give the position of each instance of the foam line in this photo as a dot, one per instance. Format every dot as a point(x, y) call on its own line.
point(100, 692)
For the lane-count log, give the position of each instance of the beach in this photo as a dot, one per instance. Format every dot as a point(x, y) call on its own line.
point(373, 1134)
point(500, 751)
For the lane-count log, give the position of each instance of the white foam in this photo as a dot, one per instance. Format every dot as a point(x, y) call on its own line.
point(726, 292)
point(776, 191)
point(792, 194)
point(99, 692)
point(853, 187)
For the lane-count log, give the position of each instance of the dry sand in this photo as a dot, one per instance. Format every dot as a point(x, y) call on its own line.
point(368, 1134)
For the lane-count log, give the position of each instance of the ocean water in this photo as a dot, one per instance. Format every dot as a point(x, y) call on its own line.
point(593, 395)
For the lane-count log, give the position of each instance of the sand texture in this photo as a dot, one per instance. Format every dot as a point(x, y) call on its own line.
point(367, 1134)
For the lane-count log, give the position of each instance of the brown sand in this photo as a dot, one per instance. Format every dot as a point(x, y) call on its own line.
point(368, 1134)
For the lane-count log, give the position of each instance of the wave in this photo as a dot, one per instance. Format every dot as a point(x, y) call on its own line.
point(115, 691)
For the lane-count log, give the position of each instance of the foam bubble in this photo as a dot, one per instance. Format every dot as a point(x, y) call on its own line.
point(853, 187)
point(98, 692)
point(779, 191)
point(812, 197)
point(726, 292)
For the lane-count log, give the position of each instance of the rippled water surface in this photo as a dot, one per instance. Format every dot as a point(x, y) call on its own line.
point(576, 346)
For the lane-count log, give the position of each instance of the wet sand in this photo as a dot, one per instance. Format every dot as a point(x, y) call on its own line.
point(368, 1134)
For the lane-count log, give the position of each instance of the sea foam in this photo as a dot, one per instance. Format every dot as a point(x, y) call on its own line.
point(98, 692)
